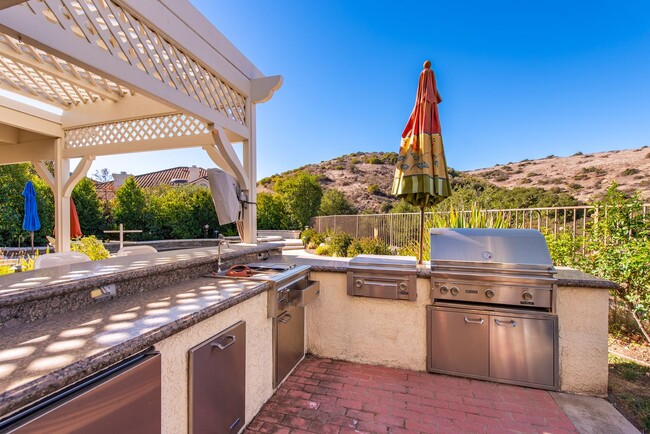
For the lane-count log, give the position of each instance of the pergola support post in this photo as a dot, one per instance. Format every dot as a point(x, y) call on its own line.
point(61, 202)
point(250, 168)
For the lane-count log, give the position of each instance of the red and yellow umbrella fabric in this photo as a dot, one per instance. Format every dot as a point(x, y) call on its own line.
point(421, 175)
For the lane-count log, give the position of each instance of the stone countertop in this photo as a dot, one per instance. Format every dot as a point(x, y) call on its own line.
point(44, 356)
point(47, 282)
point(565, 276)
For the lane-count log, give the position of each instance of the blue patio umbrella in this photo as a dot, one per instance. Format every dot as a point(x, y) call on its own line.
point(31, 222)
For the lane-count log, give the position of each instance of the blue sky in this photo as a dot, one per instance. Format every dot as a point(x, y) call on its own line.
point(519, 79)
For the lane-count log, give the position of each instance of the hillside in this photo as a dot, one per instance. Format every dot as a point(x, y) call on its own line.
point(584, 176)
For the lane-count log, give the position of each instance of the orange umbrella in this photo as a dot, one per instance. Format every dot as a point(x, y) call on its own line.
point(421, 175)
point(75, 226)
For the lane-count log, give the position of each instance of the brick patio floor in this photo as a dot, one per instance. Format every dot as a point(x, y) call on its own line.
point(330, 396)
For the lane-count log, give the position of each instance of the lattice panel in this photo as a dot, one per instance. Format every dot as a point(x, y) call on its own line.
point(163, 127)
point(108, 26)
point(40, 75)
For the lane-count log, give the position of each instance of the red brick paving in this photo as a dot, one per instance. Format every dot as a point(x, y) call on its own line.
point(331, 396)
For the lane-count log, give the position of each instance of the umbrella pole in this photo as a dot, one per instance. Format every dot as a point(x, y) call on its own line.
point(421, 232)
point(31, 236)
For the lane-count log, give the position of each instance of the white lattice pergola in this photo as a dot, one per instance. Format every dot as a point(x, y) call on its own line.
point(129, 76)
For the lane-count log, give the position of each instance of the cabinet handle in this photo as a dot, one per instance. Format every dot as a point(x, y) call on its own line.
point(285, 318)
point(221, 346)
point(500, 323)
point(234, 424)
point(474, 321)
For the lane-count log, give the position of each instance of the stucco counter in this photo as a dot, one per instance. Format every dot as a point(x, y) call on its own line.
point(393, 332)
point(171, 308)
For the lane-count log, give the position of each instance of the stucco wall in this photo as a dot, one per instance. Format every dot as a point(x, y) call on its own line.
point(366, 330)
point(393, 333)
point(583, 330)
point(258, 361)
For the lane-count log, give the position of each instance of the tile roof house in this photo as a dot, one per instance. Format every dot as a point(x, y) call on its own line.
point(173, 176)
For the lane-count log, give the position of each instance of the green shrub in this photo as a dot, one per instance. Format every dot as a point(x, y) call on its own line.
point(375, 160)
point(307, 235)
point(324, 250)
point(316, 240)
point(373, 189)
point(630, 171)
point(339, 242)
point(90, 246)
point(368, 246)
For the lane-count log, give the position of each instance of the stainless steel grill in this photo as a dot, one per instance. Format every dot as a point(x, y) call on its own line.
point(509, 267)
point(493, 312)
point(380, 276)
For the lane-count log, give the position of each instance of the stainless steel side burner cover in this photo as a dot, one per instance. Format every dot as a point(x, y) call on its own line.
point(383, 276)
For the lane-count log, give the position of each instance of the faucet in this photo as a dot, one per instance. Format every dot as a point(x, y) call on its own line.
point(220, 241)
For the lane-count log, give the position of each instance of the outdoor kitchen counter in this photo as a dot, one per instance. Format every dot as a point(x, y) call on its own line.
point(42, 357)
point(565, 276)
point(36, 294)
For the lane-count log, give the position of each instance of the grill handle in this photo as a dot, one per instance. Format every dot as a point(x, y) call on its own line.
point(474, 321)
point(500, 323)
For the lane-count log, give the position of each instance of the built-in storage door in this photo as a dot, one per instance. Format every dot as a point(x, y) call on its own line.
point(290, 341)
point(458, 341)
point(218, 382)
point(522, 349)
point(123, 399)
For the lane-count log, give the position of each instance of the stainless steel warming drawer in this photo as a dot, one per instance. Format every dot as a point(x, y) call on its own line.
point(380, 276)
point(499, 344)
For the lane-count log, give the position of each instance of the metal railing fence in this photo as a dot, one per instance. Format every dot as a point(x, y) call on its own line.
point(401, 229)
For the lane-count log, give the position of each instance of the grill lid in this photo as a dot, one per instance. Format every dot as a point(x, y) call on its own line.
point(502, 248)
point(384, 261)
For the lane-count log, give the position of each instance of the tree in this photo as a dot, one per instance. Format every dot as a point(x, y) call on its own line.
point(12, 182)
point(301, 194)
point(270, 211)
point(179, 212)
point(89, 208)
point(12, 206)
point(130, 206)
point(103, 175)
point(335, 203)
point(404, 207)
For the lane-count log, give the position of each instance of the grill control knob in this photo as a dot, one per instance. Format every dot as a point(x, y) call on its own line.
point(489, 293)
point(358, 283)
point(402, 286)
point(444, 290)
point(527, 295)
point(454, 290)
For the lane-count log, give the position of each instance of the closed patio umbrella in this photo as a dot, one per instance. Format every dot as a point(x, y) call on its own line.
point(75, 226)
point(421, 177)
point(31, 222)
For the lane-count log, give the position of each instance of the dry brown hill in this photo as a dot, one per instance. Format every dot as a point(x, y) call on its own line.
point(366, 178)
point(584, 176)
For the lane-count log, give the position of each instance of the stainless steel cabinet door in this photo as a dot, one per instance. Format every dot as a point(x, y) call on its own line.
point(126, 401)
point(458, 341)
point(522, 349)
point(289, 345)
point(218, 382)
